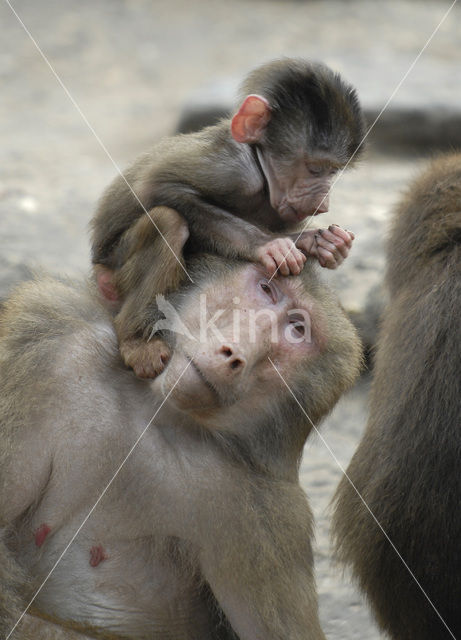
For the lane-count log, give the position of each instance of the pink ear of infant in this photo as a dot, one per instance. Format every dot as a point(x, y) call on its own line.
point(251, 119)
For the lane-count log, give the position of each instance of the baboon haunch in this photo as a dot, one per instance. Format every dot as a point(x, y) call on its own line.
point(407, 466)
point(205, 533)
point(241, 185)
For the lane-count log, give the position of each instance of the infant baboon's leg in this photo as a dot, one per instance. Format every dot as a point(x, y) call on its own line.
point(149, 262)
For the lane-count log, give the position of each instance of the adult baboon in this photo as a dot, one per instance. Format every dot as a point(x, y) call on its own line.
point(205, 532)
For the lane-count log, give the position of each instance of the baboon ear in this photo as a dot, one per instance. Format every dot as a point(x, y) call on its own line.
point(251, 119)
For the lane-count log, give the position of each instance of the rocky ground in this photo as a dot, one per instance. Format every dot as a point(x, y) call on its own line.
point(134, 66)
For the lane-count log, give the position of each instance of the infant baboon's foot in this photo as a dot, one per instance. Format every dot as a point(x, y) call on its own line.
point(147, 359)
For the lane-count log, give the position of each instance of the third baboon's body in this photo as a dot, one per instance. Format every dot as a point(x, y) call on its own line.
point(407, 466)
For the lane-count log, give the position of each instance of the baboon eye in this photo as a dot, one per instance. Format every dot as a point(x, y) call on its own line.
point(269, 290)
point(298, 327)
point(315, 171)
point(266, 288)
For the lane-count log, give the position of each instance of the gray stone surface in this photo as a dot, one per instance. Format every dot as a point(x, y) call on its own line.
point(132, 65)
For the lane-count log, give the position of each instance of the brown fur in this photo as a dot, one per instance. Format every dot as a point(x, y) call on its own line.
point(407, 464)
point(148, 267)
point(15, 588)
point(41, 627)
point(146, 244)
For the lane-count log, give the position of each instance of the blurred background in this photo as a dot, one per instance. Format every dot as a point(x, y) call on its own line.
point(136, 69)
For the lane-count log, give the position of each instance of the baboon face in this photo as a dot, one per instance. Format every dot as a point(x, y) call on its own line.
point(240, 329)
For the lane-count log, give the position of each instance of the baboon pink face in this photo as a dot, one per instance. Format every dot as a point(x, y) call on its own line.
point(300, 187)
point(298, 181)
point(239, 329)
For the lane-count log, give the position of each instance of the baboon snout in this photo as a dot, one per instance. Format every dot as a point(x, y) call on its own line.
point(230, 359)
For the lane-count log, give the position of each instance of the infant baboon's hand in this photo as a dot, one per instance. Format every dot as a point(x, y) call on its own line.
point(331, 246)
point(305, 241)
point(281, 254)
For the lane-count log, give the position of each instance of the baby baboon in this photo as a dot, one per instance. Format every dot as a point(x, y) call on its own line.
point(242, 186)
point(406, 467)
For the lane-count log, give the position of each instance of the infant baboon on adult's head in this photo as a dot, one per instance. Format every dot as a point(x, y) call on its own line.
point(242, 186)
point(407, 466)
point(205, 532)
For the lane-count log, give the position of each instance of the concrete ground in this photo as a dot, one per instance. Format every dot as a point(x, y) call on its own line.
point(131, 66)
